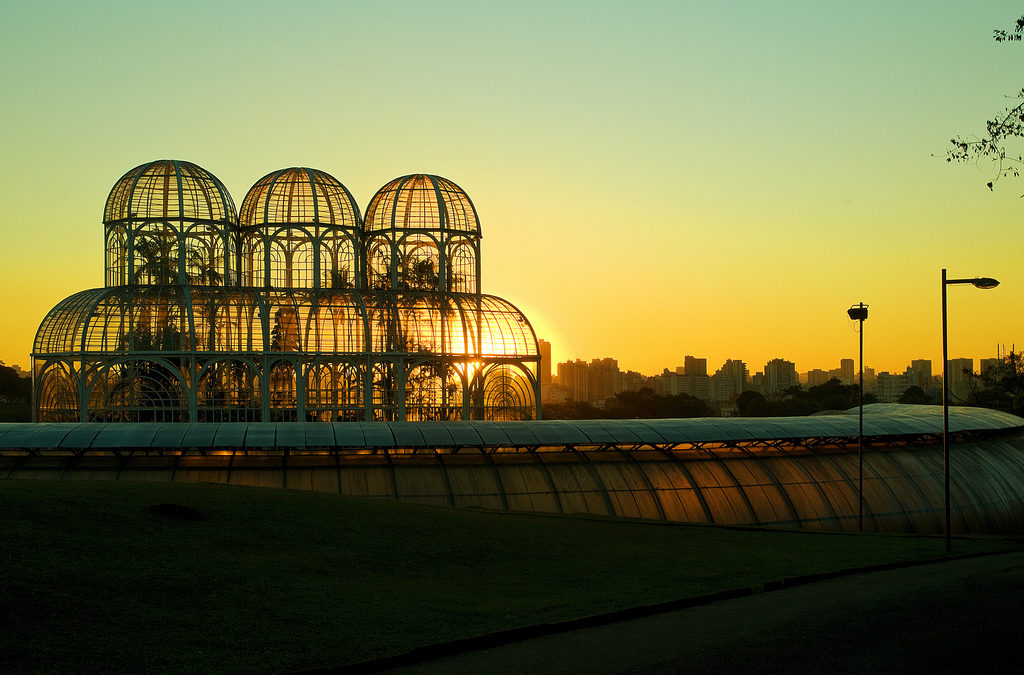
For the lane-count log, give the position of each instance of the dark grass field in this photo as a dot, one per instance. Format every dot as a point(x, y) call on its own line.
point(277, 580)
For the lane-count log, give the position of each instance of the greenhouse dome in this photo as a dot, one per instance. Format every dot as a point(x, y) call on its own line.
point(169, 222)
point(301, 228)
point(179, 335)
point(422, 233)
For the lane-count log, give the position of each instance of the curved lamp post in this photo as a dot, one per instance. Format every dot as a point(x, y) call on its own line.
point(859, 312)
point(977, 282)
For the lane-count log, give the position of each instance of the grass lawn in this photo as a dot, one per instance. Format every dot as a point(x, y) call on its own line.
point(278, 580)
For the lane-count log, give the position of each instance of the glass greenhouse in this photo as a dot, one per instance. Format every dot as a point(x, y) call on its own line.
point(293, 308)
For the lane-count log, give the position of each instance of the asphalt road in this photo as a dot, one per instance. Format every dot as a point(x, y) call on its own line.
point(957, 616)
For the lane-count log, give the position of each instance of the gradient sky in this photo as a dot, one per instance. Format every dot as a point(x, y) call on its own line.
point(653, 179)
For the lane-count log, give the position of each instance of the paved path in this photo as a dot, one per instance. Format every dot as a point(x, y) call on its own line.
point(959, 616)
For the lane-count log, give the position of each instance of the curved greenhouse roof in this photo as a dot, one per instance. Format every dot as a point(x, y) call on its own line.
point(193, 319)
point(881, 421)
point(299, 196)
point(422, 202)
point(169, 190)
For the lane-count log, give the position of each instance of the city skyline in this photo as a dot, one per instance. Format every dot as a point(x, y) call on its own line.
point(977, 360)
point(728, 178)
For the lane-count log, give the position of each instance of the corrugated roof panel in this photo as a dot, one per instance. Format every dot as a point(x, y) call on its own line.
point(348, 434)
point(407, 434)
point(261, 435)
point(82, 435)
point(112, 436)
point(491, 434)
point(319, 435)
point(141, 436)
point(519, 433)
point(557, 432)
point(879, 420)
point(377, 435)
point(230, 435)
point(435, 434)
point(599, 433)
point(734, 432)
point(642, 429)
point(464, 434)
point(291, 434)
point(199, 435)
point(47, 435)
point(169, 435)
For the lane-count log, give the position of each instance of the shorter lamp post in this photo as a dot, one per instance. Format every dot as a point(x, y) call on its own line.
point(859, 312)
point(977, 282)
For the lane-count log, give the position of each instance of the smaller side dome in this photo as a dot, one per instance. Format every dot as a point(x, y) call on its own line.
point(169, 190)
point(299, 195)
point(425, 202)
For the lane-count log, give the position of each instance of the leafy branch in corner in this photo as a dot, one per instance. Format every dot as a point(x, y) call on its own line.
point(1004, 128)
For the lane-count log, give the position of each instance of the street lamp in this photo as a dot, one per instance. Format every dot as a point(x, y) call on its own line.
point(859, 312)
point(977, 282)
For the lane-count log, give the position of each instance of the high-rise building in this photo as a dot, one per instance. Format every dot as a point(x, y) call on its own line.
point(818, 377)
point(779, 375)
point(959, 384)
point(729, 381)
point(602, 380)
point(572, 376)
point(694, 366)
point(983, 365)
point(920, 371)
point(889, 387)
point(847, 371)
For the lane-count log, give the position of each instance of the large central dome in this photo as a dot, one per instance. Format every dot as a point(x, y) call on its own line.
point(298, 195)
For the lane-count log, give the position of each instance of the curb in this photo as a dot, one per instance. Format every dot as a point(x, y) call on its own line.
point(504, 637)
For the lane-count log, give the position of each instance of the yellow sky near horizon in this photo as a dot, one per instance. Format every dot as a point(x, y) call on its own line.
point(657, 180)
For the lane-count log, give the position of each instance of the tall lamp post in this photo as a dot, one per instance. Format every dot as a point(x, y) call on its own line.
point(977, 282)
point(859, 312)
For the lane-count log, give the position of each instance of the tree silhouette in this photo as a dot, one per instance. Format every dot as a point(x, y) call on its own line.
point(1000, 131)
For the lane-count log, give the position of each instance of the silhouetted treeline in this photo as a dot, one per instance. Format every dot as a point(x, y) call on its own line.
point(832, 395)
point(14, 389)
point(643, 404)
point(1001, 387)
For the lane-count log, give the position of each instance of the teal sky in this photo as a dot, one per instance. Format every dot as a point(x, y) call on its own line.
point(653, 179)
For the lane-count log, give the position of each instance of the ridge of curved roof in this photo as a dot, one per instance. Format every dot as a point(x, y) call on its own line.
point(880, 420)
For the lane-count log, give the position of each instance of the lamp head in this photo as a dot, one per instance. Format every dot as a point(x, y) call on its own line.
point(984, 282)
point(858, 312)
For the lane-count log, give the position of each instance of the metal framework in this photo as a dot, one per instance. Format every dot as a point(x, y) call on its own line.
point(292, 311)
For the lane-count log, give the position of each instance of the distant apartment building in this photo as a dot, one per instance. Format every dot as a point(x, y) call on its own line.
point(778, 376)
point(602, 380)
point(633, 381)
point(593, 382)
point(729, 381)
point(984, 365)
point(818, 377)
point(572, 377)
point(847, 371)
point(920, 371)
point(691, 379)
point(960, 371)
point(889, 387)
point(694, 366)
